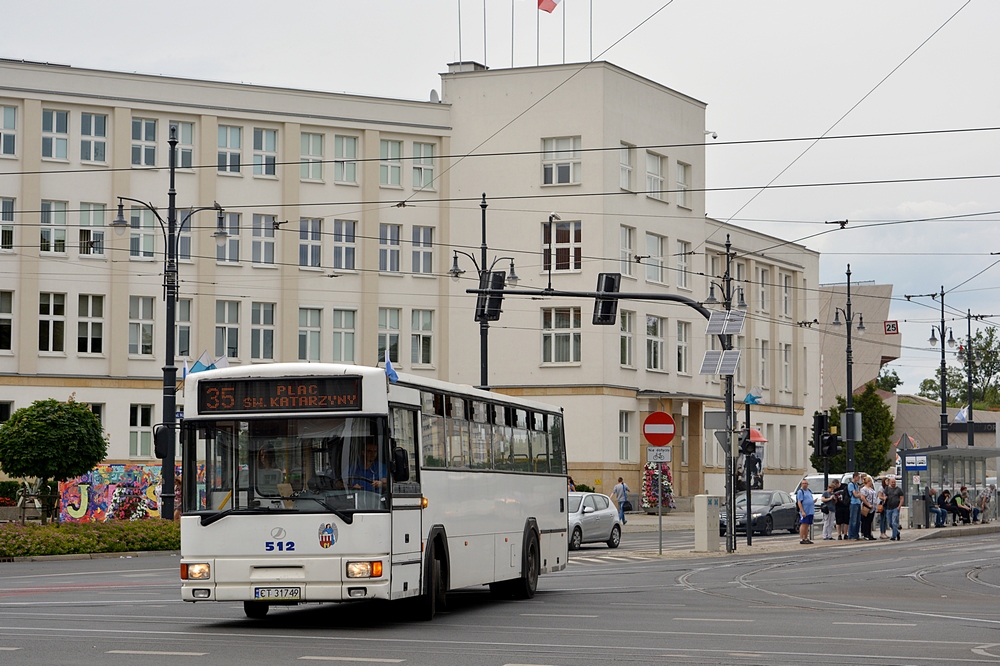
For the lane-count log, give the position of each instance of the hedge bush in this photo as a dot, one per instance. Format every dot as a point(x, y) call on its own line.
point(8, 489)
point(18, 540)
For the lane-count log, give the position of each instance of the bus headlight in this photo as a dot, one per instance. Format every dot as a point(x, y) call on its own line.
point(196, 571)
point(364, 569)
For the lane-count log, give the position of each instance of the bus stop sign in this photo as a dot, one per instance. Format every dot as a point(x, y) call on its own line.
point(658, 428)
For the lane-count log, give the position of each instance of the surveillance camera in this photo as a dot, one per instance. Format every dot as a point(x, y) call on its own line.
point(554, 216)
point(714, 135)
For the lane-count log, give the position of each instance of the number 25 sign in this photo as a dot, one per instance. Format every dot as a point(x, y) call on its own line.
point(891, 327)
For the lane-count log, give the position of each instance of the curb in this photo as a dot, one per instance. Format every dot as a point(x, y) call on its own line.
point(91, 556)
point(932, 533)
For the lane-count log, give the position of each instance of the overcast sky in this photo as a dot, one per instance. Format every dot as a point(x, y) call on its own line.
point(767, 70)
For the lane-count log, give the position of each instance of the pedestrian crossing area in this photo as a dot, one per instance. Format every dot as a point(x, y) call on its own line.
point(610, 558)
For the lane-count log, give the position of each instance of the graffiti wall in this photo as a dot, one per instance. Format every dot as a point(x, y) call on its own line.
point(112, 492)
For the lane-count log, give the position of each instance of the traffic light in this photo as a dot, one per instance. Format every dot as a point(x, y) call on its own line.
point(820, 426)
point(746, 445)
point(488, 305)
point(830, 445)
point(161, 440)
point(606, 309)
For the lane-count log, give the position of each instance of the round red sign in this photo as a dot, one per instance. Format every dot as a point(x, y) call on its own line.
point(658, 428)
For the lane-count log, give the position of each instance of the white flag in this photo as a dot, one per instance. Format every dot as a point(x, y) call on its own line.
point(963, 415)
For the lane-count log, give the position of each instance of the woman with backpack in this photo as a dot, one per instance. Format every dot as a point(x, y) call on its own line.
point(843, 510)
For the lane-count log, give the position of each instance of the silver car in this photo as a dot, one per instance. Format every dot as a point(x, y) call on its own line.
point(592, 519)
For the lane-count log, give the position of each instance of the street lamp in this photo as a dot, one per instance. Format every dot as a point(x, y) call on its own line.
point(485, 274)
point(944, 377)
point(171, 233)
point(971, 358)
point(850, 435)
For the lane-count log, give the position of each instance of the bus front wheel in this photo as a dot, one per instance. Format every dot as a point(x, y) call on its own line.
point(525, 586)
point(255, 610)
point(433, 598)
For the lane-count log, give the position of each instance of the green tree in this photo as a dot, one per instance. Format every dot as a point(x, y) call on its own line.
point(51, 440)
point(887, 380)
point(955, 389)
point(985, 368)
point(872, 451)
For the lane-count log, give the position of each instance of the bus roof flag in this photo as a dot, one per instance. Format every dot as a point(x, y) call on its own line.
point(547, 5)
point(389, 372)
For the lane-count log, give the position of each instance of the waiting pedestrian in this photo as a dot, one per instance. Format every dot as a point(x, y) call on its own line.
point(944, 502)
point(620, 493)
point(983, 502)
point(939, 512)
point(807, 509)
point(828, 506)
point(883, 518)
point(854, 488)
point(893, 501)
point(570, 485)
point(843, 510)
point(868, 499)
point(960, 507)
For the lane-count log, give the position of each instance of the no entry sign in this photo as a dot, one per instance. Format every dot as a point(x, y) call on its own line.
point(658, 428)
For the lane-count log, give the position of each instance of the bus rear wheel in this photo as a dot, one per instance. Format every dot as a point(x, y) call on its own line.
point(255, 610)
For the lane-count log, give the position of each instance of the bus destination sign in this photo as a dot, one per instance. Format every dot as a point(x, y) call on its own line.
point(289, 394)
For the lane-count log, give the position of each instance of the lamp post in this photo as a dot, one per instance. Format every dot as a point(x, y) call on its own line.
point(850, 435)
point(171, 231)
point(944, 376)
point(971, 358)
point(727, 297)
point(485, 273)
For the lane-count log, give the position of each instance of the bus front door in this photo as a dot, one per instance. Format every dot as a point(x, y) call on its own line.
point(406, 555)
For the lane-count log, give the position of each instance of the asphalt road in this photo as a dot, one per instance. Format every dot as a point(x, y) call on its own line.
point(921, 602)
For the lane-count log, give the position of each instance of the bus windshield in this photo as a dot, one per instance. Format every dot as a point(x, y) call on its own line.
point(305, 465)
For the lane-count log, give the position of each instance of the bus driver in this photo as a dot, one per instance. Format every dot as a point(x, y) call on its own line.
point(369, 475)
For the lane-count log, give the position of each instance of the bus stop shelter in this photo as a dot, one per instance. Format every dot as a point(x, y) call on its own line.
point(944, 468)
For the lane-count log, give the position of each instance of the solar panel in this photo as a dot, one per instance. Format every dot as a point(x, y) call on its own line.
point(716, 323)
point(734, 322)
point(730, 359)
point(710, 364)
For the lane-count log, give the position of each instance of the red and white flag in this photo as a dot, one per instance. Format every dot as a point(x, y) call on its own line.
point(547, 5)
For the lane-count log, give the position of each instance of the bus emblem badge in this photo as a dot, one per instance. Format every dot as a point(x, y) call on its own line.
point(327, 535)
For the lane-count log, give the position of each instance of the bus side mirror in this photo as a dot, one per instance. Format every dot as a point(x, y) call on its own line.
point(400, 465)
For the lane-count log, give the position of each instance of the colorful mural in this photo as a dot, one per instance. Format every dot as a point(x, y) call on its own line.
point(112, 492)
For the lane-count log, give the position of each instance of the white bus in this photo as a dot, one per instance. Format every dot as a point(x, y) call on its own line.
point(324, 482)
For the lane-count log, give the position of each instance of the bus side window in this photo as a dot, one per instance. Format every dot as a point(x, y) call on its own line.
point(458, 434)
point(502, 458)
point(520, 444)
point(432, 434)
point(405, 436)
point(557, 442)
point(480, 436)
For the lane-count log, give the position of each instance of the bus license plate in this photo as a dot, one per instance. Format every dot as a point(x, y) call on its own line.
point(284, 593)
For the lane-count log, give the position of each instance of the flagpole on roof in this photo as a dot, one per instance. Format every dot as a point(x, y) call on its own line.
point(536, 39)
point(564, 34)
point(484, 33)
point(460, 30)
point(512, 34)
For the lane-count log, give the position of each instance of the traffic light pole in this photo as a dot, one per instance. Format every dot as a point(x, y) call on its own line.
point(749, 482)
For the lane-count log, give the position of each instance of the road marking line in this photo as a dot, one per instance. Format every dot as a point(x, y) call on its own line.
point(8, 649)
point(881, 624)
point(151, 652)
point(364, 660)
point(553, 615)
point(708, 619)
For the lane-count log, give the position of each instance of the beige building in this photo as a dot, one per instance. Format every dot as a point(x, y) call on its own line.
point(342, 214)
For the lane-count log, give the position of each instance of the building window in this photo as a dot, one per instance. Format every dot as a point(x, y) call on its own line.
point(51, 322)
point(90, 325)
point(5, 411)
point(345, 151)
point(683, 338)
point(343, 336)
point(627, 324)
point(140, 325)
point(654, 342)
point(229, 252)
point(391, 166)
point(92, 229)
point(227, 329)
point(55, 134)
point(311, 156)
point(421, 337)
point(683, 184)
point(8, 129)
point(310, 242)
point(182, 327)
point(309, 333)
point(654, 176)
point(262, 246)
point(52, 236)
point(786, 367)
point(140, 432)
point(624, 427)
point(560, 335)
point(388, 250)
point(627, 249)
point(765, 276)
point(805, 370)
point(655, 265)
point(683, 424)
point(423, 165)
point(7, 225)
point(786, 295)
point(142, 239)
point(388, 333)
point(567, 245)
point(262, 331)
point(763, 362)
point(93, 137)
point(625, 157)
point(343, 244)
point(230, 141)
point(561, 160)
point(265, 151)
point(741, 345)
point(423, 253)
point(683, 251)
point(185, 144)
point(143, 142)
point(183, 236)
point(6, 320)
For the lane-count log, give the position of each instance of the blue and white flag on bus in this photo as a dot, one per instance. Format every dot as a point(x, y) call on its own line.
point(963, 415)
point(389, 372)
point(204, 362)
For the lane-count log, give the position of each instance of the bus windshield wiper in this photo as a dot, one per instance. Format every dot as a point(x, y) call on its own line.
point(208, 519)
point(346, 517)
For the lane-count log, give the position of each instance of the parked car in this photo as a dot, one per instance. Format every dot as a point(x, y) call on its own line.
point(593, 518)
point(770, 510)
